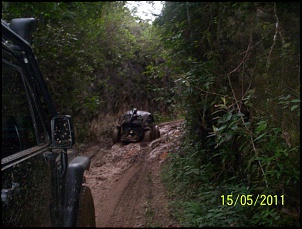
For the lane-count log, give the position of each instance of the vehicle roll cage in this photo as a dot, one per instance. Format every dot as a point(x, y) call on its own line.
point(19, 32)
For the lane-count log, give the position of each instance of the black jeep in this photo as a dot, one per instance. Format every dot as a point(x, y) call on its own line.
point(134, 126)
point(42, 176)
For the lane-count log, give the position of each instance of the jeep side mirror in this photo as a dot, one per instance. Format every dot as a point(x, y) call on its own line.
point(24, 27)
point(62, 134)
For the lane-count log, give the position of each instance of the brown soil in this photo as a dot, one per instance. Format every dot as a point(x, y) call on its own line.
point(125, 180)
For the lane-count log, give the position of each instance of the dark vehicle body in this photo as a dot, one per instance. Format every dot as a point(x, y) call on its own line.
point(42, 176)
point(135, 126)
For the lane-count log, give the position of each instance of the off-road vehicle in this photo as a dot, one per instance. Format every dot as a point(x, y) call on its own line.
point(134, 126)
point(42, 177)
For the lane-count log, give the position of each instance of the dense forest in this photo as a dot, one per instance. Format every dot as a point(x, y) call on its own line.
point(230, 69)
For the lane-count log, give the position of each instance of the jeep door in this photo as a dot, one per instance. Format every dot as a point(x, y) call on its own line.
point(26, 176)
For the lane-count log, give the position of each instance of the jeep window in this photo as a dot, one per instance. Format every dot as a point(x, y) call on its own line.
point(126, 117)
point(21, 124)
point(150, 119)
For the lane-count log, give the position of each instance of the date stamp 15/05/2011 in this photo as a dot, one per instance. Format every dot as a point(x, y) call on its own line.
point(252, 200)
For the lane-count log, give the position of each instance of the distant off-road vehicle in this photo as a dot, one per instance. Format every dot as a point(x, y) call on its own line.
point(42, 176)
point(135, 126)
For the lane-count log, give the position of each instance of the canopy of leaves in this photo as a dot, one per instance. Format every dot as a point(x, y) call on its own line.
point(238, 69)
point(96, 58)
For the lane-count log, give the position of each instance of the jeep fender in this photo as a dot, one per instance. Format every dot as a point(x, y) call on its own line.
point(73, 184)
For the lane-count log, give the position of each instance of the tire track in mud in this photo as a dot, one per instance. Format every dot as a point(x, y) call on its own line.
point(123, 207)
point(125, 182)
point(132, 195)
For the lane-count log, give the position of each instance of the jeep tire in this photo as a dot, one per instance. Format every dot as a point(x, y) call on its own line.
point(116, 136)
point(148, 136)
point(157, 133)
point(86, 214)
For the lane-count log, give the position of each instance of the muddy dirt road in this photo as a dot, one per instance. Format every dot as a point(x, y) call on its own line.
point(125, 180)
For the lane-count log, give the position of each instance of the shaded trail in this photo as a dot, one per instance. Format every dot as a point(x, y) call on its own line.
point(125, 181)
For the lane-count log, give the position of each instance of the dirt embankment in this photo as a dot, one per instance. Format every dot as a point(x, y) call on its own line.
point(125, 181)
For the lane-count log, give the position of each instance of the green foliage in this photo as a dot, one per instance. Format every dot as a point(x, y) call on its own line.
point(288, 102)
point(229, 124)
point(264, 164)
point(199, 184)
point(240, 53)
